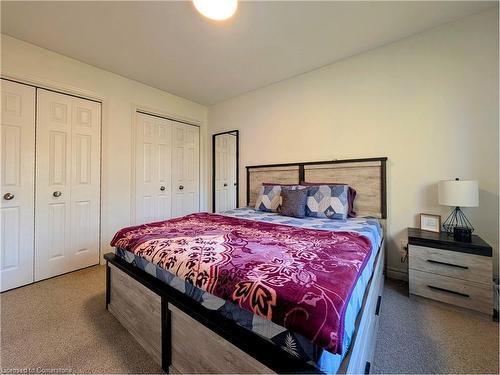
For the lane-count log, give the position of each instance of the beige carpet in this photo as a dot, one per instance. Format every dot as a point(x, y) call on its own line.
point(420, 336)
point(62, 323)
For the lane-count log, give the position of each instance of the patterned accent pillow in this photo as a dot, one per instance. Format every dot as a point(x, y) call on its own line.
point(269, 198)
point(328, 201)
point(351, 195)
point(293, 202)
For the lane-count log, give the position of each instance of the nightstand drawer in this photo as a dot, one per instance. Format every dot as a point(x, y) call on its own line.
point(463, 266)
point(450, 290)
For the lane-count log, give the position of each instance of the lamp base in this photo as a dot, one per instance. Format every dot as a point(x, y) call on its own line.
point(456, 219)
point(462, 234)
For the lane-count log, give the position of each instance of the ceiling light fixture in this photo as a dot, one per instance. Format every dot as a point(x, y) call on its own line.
point(217, 10)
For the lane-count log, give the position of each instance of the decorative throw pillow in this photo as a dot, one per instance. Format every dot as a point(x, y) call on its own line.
point(269, 198)
point(328, 201)
point(351, 195)
point(293, 202)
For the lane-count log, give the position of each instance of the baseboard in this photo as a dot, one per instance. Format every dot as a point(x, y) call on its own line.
point(395, 273)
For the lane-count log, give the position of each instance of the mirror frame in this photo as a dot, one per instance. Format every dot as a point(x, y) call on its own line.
point(236, 133)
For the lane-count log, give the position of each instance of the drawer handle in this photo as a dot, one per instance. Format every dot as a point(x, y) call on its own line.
point(448, 264)
point(367, 368)
point(448, 291)
point(377, 309)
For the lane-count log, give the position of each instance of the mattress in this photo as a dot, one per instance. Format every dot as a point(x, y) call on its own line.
point(289, 341)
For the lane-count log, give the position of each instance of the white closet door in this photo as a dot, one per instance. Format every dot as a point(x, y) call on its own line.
point(17, 189)
point(185, 169)
point(231, 201)
point(153, 169)
point(67, 184)
point(221, 172)
point(85, 183)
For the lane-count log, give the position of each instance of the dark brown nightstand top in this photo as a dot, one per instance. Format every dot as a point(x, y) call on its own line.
point(446, 242)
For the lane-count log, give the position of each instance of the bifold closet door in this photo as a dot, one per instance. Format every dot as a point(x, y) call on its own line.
point(153, 169)
point(17, 189)
point(225, 172)
point(221, 172)
point(185, 169)
point(67, 183)
point(231, 202)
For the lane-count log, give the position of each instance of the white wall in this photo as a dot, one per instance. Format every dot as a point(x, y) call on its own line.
point(24, 61)
point(429, 103)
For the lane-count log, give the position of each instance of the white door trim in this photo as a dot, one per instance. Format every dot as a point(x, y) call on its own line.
point(139, 108)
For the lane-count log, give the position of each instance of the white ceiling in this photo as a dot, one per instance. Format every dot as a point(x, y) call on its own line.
point(170, 46)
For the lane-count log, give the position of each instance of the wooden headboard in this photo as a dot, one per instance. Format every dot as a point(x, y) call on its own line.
point(367, 176)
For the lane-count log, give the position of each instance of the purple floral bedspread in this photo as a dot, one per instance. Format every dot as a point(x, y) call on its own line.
point(299, 278)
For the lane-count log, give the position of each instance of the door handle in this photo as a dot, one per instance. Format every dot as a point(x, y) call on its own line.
point(8, 196)
point(225, 184)
point(235, 184)
point(57, 194)
point(181, 187)
point(162, 188)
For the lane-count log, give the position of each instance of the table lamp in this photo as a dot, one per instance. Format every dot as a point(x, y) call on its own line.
point(458, 193)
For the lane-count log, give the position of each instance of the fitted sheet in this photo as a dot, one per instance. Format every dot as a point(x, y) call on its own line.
point(287, 340)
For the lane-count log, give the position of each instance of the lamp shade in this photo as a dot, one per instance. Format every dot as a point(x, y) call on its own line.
point(458, 193)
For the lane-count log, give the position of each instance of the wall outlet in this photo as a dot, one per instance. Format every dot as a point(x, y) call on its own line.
point(403, 250)
point(403, 246)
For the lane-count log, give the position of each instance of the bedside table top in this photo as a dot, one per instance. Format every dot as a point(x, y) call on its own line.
point(444, 241)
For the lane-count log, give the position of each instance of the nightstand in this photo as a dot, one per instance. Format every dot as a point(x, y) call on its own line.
point(449, 271)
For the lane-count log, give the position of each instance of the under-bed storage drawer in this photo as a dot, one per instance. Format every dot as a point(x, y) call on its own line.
point(196, 349)
point(138, 309)
point(451, 290)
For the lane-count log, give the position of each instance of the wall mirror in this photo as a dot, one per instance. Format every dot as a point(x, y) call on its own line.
point(225, 171)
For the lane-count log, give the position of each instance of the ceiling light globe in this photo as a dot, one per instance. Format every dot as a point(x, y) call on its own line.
point(217, 10)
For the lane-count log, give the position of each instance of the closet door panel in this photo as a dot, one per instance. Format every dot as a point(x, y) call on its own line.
point(53, 184)
point(145, 169)
point(231, 197)
point(164, 170)
point(178, 170)
point(221, 183)
point(85, 183)
point(153, 169)
point(185, 170)
point(68, 184)
point(17, 179)
point(218, 175)
point(191, 171)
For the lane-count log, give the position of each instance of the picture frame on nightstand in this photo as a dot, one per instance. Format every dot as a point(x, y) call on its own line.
point(430, 222)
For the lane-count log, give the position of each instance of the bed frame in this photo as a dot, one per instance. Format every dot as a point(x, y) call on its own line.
point(185, 337)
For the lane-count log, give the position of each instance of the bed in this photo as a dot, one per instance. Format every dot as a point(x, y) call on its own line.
point(189, 327)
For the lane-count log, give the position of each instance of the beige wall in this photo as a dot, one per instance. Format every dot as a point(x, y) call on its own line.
point(36, 65)
point(429, 103)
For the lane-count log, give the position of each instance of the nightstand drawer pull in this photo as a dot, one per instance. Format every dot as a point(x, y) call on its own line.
point(448, 291)
point(448, 264)
point(377, 309)
point(367, 368)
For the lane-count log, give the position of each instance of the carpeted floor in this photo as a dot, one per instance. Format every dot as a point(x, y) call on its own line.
point(62, 324)
point(420, 336)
